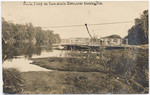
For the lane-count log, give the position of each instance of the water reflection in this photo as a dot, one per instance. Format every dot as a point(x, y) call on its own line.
point(25, 49)
point(18, 55)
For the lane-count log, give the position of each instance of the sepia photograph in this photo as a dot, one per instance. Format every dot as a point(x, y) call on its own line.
point(75, 47)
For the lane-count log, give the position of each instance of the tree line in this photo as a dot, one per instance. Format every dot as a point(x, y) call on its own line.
point(28, 33)
point(138, 34)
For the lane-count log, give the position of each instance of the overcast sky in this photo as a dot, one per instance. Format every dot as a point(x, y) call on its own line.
point(63, 15)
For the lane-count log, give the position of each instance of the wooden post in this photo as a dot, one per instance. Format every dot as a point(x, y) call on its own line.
point(126, 41)
point(88, 54)
point(101, 47)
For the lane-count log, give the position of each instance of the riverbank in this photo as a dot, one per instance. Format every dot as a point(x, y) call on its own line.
point(70, 64)
point(65, 82)
point(114, 61)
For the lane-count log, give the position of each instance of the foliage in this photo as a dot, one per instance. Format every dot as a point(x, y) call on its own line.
point(12, 81)
point(113, 36)
point(27, 33)
point(138, 34)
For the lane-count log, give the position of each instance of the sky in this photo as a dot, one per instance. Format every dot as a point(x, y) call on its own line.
point(64, 15)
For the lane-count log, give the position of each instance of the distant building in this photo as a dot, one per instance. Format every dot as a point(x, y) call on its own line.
point(111, 41)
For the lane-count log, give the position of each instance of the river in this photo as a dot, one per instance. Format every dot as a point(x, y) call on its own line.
point(23, 64)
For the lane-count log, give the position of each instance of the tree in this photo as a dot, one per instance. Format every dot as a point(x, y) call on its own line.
point(138, 34)
point(144, 19)
point(113, 36)
point(28, 33)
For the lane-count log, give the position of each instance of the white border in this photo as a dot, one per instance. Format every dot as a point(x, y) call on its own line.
point(74, 0)
point(1, 82)
point(1, 90)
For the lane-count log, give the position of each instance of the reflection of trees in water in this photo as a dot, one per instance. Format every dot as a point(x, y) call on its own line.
point(47, 48)
point(26, 49)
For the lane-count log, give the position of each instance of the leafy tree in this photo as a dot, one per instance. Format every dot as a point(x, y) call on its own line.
point(138, 34)
point(28, 33)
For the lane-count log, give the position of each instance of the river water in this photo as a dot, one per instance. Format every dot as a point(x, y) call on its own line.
point(23, 64)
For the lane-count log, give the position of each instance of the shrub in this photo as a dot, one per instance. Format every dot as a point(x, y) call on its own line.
point(12, 81)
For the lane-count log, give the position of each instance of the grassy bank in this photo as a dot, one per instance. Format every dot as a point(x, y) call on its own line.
point(69, 64)
point(113, 61)
point(59, 82)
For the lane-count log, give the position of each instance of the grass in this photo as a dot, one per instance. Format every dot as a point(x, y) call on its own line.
point(69, 64)
point(59, 82)
point(108, 61)
point(130, 65)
